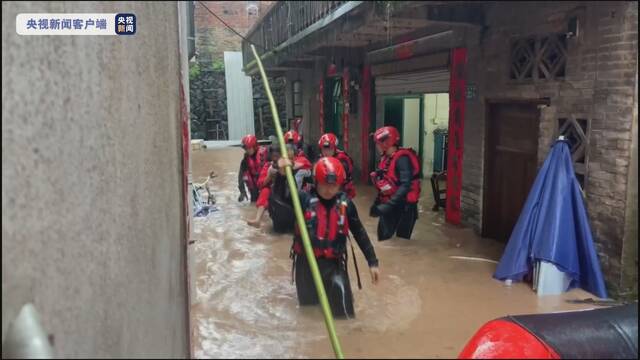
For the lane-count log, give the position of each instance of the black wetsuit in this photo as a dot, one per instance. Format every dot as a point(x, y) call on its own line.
point(281, 203)
point(333, 271)
point(397, 215)
point(253, 191)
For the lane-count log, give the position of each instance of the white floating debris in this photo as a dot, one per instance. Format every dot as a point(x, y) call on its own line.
point(197, 144)
point(471, 258)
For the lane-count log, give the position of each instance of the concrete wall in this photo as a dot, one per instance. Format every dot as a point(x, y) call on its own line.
point(92, 205)
point(599, 86)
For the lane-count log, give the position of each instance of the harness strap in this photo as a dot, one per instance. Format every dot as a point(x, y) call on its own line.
point(292, 256)
point(355, 263)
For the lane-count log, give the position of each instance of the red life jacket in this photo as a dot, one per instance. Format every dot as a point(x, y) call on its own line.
point(387, 183)
point(254, 165)
point(328, 228)
point(348, 186)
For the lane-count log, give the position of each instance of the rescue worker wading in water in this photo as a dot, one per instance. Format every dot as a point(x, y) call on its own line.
point(328, 145)
point(280, 202)
point(397, 180)
point(329, 216)
point(254, 157)
point(267, 174)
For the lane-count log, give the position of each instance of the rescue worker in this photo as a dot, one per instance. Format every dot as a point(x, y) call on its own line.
point(267, 174)
point(330, 215)
point(280, 202)
point(397, 180)
point(294, 135)
point(294, 138)
point(254, 158)
point(328, 145)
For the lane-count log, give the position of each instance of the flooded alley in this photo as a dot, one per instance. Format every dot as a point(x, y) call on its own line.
point(427, 304)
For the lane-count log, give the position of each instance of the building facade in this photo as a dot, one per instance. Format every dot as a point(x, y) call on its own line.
point(512, 77)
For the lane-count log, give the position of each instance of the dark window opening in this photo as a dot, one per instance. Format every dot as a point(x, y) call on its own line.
point(297, 98)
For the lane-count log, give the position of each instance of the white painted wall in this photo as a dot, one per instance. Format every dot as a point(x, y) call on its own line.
point(239, 97)
point(411, 123)
point(436, 116)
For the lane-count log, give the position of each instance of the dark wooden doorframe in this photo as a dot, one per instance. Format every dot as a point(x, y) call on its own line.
point(499, 214)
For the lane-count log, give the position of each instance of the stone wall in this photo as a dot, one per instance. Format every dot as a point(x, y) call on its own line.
point(262, 108)
point(208, 103)
point(599, 86)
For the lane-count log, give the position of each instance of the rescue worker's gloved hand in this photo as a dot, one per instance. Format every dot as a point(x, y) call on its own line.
point(375, 274)
point(282, 163)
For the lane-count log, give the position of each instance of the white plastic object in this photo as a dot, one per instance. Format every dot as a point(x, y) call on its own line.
point(550, 280)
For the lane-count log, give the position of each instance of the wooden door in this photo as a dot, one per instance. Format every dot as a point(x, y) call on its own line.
point(510, 165)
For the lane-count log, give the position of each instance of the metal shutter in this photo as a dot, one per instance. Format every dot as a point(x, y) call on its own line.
point(434, 81)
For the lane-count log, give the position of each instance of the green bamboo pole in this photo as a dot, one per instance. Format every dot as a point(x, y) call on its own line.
point(317, 279)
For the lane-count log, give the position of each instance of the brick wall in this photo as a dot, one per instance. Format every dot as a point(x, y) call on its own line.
point(599, 85)
point(212, 36)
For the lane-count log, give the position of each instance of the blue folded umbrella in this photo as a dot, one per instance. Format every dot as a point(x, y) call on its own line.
point(554, 227)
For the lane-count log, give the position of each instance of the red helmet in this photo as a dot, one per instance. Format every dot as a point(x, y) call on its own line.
point(329, 170)
point(249, 141)
point(386, 136)
point(292, 136)
point(328, 140)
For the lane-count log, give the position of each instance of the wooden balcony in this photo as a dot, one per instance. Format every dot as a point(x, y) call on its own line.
point(292, 34)
point(287, 21)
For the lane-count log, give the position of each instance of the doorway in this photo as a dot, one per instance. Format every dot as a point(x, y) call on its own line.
point(436, 127)
point(511, 156)
point(405, 113)
point(334, 108)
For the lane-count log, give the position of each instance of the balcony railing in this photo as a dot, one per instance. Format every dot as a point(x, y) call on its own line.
point(284, 20)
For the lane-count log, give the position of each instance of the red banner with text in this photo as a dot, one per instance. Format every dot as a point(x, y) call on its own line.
point(457, 93)
point(365, 117)
point(321, 103)
point(345, 109)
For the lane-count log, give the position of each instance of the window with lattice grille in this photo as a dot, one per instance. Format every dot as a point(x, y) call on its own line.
point(539, 57)
point(575, 131)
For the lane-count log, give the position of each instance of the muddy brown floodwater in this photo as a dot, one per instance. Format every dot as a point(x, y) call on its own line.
point(425, 305)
